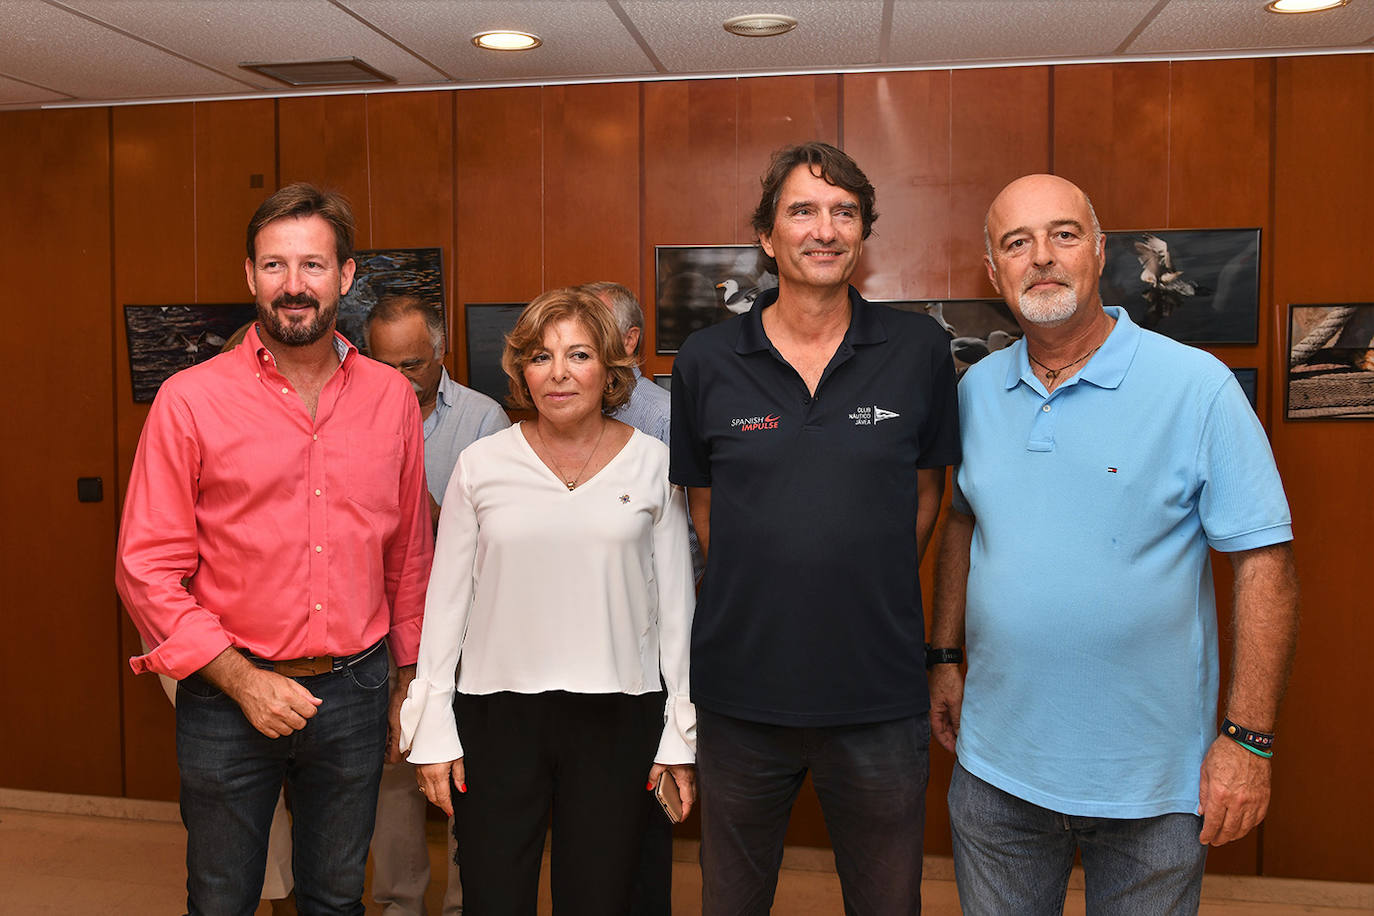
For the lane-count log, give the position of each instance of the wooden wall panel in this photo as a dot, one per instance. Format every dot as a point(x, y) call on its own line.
point(897, 128)
point(999, 132)
point(690, 195)
point(1318, 826)
point(60, 675)
point(154, 224)
point(499, 208)
point(323, 140)
point(775, 111)
point(1111, 138)
point(234, 142)
point(591, 183)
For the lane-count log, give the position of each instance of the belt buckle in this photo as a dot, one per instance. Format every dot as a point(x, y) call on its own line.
point(305, 667)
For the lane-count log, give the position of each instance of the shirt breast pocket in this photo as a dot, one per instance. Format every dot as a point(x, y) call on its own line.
point(373, 473)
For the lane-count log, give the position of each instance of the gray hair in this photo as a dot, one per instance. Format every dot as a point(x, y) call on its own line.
point(1096, 227)
point(395, 306)
point(628, 313)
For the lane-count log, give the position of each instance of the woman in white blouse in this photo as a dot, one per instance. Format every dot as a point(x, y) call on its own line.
point(563, 584)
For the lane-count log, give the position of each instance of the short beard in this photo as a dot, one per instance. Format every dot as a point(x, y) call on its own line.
point(1047, 309)
point(298, 333)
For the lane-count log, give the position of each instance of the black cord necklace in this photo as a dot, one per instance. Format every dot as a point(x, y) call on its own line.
point(1052, 374)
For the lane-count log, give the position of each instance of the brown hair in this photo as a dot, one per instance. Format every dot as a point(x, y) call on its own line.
point(301, 200)
point(527, 338)
point(826, 162)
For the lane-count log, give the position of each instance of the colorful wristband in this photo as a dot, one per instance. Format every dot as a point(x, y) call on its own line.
point(1254, 742)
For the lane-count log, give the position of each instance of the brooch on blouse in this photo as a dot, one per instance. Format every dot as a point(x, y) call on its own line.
point(624, 497)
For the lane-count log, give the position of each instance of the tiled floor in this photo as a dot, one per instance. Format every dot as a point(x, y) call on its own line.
point(87, 863)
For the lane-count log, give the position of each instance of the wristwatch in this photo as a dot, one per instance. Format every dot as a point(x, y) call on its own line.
point(943, 656)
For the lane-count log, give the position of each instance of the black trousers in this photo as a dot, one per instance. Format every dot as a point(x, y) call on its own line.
point(585, 759)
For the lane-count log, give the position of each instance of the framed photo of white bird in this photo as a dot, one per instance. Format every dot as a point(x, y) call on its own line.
point(696, 286)
point(976, 327)
point(1331, 362)
point(164, 339)
point(1198, 286)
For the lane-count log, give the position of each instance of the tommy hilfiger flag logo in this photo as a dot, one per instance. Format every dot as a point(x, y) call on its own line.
point(1111, 470)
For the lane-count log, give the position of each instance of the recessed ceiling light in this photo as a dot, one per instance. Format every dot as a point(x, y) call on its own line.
point(504, 40)
point(339, 71)
point(759, 25)
point(1303, 6)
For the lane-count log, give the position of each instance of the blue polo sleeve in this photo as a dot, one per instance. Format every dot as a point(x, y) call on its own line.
point(1241, 504)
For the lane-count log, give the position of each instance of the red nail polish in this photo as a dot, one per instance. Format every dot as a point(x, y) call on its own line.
point(650, 786)
point(463, 787)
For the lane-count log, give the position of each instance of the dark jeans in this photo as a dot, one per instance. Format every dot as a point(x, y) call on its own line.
point(231, 774)
point(1011, 856)
point(871, 781)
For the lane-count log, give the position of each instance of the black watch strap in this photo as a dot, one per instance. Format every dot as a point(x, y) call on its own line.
point(943, 656)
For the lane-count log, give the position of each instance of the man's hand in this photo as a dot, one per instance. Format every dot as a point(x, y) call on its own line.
point(1234, 794)
point(435, 779)
point(685, 775)
point(404, 676)
point(274, 704)
point(946, 702)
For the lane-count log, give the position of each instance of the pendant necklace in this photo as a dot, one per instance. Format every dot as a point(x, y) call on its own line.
point(1052, 374)
point(571, 482)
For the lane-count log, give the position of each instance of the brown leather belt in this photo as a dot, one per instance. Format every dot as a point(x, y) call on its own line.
point(311, 665)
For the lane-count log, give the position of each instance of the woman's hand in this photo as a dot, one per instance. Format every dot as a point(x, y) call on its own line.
point(685, 775)
point(435, 779)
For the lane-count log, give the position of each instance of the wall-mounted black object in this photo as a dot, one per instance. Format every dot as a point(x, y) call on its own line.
point(89, 489)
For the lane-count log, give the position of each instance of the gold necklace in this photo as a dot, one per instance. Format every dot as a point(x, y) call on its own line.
point(570, 482)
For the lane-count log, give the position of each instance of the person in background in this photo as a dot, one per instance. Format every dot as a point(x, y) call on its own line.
point(564, 587)
point(275, 544)
point(408, 335)
point(1101, 462)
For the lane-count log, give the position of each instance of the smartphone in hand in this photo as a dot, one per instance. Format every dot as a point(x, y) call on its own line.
point(668, 796)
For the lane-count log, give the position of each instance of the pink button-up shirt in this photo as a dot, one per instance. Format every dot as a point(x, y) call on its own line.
point(298, 537)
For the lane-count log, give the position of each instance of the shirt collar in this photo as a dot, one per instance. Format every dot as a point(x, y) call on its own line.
point(865, 323)
point(254, 349)
point(1106, 368)
point(448, 391)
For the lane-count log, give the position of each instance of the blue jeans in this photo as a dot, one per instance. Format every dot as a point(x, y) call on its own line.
point(231, 774)
point(1011, 856)
point(871, 781)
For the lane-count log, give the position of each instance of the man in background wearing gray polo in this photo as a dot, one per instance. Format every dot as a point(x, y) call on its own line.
point(409, 335)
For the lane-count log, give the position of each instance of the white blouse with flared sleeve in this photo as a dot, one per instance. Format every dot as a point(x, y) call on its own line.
point(536, 587)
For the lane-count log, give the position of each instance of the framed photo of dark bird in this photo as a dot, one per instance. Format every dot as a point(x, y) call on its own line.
point(415, 272)
point(1198, 286)
point(696, 286)
point(1330, 362)
point(164, 339)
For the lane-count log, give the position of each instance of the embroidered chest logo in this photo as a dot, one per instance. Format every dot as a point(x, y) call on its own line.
point(871, 416)
point(624, 497)
point(753, 424)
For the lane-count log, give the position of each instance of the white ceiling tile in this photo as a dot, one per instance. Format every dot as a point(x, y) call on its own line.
point(688, 36)
point(581, 37)
point(13, 92)
point(1193, 25)
point(957, 30)
point(58, 49)
point(223, 35)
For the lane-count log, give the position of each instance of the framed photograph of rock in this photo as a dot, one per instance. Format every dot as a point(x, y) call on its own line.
point(488, 323)
point(1198, 286)
point(1330, 362)
point(976, 327)
point(164, 339)
point(417, 272)
point(696, 286)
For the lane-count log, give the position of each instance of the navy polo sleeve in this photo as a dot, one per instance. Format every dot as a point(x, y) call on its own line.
point(689, 463)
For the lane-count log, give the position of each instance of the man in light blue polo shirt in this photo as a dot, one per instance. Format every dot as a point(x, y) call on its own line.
point(1100, 463)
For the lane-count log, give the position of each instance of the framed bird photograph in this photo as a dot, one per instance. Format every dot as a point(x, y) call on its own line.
point(1330, 362)
point(487, 324)
point(696, 286)
point(1198, 286)
point(164, 339)
point(976, 327)
point(416, 272)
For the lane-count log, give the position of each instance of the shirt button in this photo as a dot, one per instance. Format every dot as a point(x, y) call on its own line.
point(317, 492)
point(1046, 408)
point(319, 607)
point(315, 437)
point(318, 548)
point(283, 391)
point(257, 375)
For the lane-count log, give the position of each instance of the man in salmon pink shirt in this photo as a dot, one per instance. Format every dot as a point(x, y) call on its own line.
point(275, 545)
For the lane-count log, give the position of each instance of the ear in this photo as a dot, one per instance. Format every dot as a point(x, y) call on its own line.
point(1101, 253)
point(346, 271)
point(631, 341)
point(248, 272)
point(766, 242)
point(992, 272)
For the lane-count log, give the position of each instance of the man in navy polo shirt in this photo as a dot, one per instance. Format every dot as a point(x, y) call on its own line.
point(1100, 463)
point(813, 433)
